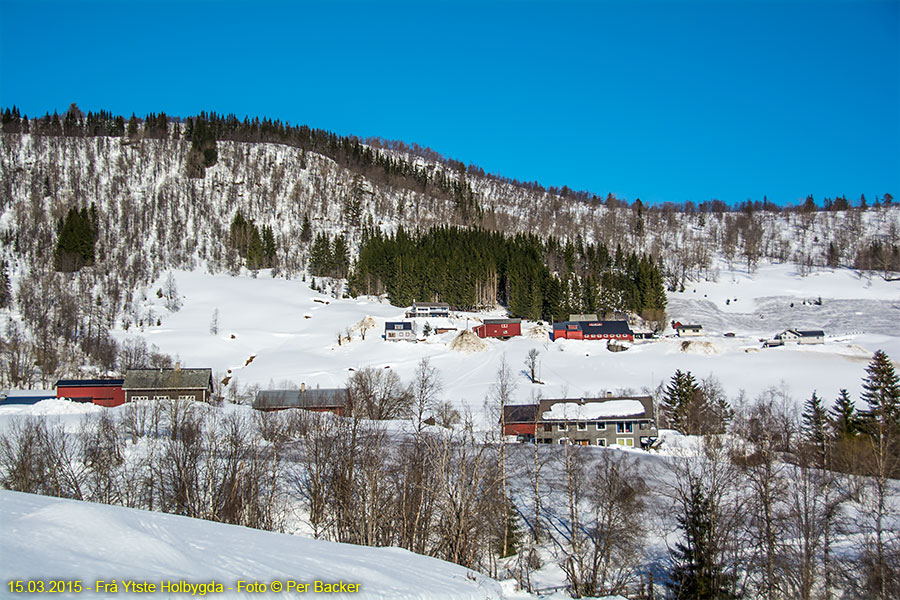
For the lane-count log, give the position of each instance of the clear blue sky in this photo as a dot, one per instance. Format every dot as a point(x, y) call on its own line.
point(663, 100)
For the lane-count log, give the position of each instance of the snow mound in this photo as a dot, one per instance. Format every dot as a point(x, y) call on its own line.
point(539, 331)
point(43, 538)
point(697, 347)
point(468, 342)
point(53, 406)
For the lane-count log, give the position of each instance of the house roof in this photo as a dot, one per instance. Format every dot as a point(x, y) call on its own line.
point(168, 379)
point(398, 325)
point(606, 327)
point(318, 398)
point(89, 383)
point(520, 413)
point(811, 333)
point(501, 321)
point(431, 305)
point(682, 326)
point(584, 317)
point(590, 409)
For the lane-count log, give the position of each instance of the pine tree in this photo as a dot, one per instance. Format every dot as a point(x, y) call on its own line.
point(881, 390)
point(320, 255)
point(75, 244)
point(306, 230)
point(509, 534)
point(697, 574)
point(843, 417)
point(5, 293)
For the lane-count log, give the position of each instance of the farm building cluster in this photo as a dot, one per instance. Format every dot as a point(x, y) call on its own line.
point(140, 384)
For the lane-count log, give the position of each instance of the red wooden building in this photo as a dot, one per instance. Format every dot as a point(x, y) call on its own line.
point(499, 328)
point(104, 392)
point(593, 330)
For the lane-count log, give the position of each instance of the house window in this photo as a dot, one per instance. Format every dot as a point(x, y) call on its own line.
point(162, 397)
point(137, 398)
point(548, 427)
point(582, 443)
point(601, 426)
point(629, 442)
point(624, 426)
point(191, 397)
point(562, 441)
point(561, 427)
point(582, 427)
point(644, 424)
point(601, 441)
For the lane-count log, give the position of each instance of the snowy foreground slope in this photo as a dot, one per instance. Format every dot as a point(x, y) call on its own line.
point(291, 331)
point(45, 538)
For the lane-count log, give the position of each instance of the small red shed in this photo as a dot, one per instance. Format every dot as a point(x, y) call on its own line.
point(499, 328)
point(103, 392)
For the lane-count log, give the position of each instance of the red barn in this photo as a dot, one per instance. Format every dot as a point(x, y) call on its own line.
point(104, 392)
point(499, 328)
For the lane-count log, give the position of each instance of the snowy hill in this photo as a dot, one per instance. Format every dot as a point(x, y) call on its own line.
point(45, 538)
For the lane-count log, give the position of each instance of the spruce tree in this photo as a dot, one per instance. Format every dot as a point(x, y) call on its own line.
point(75, 244)
point(843, 417)
point(680, 401)
point(881, 390)
point(697, 574)
point(814, 420)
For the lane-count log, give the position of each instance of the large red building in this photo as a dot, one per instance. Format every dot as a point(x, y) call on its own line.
point(593, 330)
point(499, 328)
point(104, 392)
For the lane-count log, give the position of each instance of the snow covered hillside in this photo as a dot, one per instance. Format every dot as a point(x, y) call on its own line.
point(44, 538)
point(291, 333)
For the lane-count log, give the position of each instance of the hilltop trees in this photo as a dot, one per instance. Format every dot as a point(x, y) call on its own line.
point(257, 248)
point(75, 244)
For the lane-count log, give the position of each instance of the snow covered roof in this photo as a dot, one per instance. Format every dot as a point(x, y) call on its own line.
point(590, 409)
point(317, 398)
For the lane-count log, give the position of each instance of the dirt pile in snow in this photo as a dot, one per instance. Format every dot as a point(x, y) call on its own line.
point(367, 323)
point(698, 347)
point(467, 342)
point(539, 331)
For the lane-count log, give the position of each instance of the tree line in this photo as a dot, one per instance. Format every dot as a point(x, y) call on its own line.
point(534, 278)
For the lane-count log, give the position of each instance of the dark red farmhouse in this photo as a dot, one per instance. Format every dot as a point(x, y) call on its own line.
point(104, 392)
point(499, 328)
point(520, 420)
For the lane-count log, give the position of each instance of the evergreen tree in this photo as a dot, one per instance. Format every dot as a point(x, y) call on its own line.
point(680, 401)
point(5, 293)
point(340, 258)
point(306, 230)
point(843, 417)
point(814, 420)
point(881, 390)
point(320, 258)
point(697, 574)
point(75, 244)
point(508, 535)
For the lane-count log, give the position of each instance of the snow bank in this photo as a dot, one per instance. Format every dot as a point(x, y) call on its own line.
point(698, 347)
point(594, 410)
point(44, 538)
point(51, 406)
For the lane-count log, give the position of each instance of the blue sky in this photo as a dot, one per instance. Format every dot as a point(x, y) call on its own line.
point(662, 100)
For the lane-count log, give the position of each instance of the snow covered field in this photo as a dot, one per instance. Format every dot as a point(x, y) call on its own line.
point(291, 331)
point(45, 538)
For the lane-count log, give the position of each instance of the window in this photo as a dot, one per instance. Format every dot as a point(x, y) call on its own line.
point(582, 427)
point(136, 398)
point(601, 442)
point(191, 397)
point(562, 441)
point(582, 443)
point(645, 425)
point(162, 398)
point(625, 442)
point(624, 426)
point(561, 427)
point(548, 427)
point(601, 426)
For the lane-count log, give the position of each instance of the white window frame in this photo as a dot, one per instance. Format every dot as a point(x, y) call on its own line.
point(582, 427)
point(138, 398)
point(166, 397)
point(190, 397)
point(624, 427)
point(562, 427)
point(601, 426)
point(601, 442)
point(625, 441)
